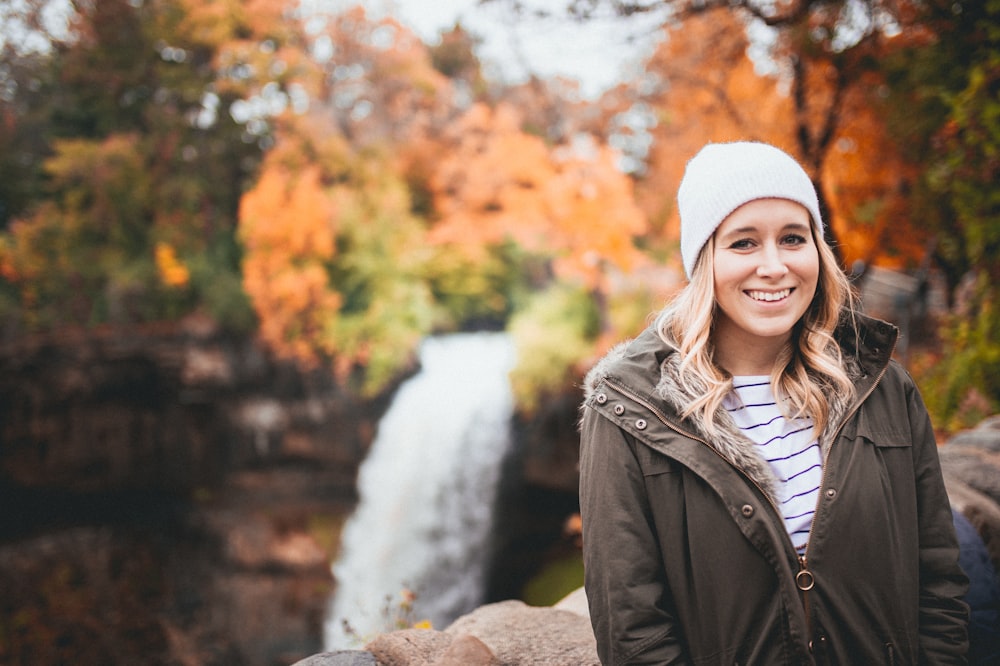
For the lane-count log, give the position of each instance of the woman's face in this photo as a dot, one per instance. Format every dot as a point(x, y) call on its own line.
point(766, 271)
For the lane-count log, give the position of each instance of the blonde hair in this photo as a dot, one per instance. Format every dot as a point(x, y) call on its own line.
point(808, 368)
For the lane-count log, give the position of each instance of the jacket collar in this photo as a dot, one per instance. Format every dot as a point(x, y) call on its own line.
point(866, 346)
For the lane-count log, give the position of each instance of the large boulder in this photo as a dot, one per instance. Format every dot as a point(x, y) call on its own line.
point(507, 633)
point(970, 461)
point(973, 457)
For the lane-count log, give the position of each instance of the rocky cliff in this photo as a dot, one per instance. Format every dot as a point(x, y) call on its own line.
point(175, 495)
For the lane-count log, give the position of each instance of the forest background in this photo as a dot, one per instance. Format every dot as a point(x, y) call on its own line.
point(331, 183)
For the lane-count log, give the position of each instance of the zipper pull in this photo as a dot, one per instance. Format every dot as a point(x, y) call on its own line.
point(804, 579)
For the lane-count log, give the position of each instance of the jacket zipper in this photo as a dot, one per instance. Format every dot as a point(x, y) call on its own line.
point(804, 581)
point(804, 578)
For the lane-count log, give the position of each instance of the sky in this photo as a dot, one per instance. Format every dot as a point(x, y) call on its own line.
point(597, 53)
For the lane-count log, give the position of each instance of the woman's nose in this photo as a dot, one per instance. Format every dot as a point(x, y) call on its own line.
point(772, 264)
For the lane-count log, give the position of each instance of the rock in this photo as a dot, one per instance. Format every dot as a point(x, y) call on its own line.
point(970, 461)
point(575, 602)
point(409, 647)
point(508, 633)
point(985, 436)
point(467, 650)
point(339, 658)
point(522, 635)
point(980, 510)
point(973, 457)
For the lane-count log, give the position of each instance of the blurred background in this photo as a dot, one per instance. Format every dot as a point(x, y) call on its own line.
point(296, 297)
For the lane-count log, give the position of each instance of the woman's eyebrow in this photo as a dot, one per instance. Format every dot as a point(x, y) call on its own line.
point(750, 228)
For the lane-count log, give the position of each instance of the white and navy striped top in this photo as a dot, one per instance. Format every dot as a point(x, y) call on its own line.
point(787, 445)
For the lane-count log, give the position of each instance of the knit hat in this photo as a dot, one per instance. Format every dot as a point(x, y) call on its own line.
point(724, 176)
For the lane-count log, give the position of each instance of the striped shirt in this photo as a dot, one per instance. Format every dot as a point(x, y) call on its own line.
point(788, 446)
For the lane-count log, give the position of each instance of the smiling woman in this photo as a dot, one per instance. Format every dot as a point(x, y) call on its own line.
point(761, 428)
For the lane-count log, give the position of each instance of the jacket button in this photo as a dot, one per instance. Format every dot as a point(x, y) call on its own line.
point(747, 510)
point(640, 424)
point(619, 409)
point(831, 493)
point(601, 398)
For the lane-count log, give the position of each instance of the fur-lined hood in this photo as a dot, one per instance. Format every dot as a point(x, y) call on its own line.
point(630, 363)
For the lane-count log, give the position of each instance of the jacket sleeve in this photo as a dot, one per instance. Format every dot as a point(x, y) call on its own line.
point(943, 614)
point(630, 605)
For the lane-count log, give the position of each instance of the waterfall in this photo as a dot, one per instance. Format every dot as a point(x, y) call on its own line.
point(427, 489)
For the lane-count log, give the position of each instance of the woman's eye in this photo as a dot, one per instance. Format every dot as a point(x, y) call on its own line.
point(794, 239)
point(742, 244)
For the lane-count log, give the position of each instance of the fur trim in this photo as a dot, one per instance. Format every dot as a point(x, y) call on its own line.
point(601, 368)
point(727, 439)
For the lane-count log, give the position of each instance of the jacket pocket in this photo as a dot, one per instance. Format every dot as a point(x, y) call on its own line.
point(880, 432)
point(653, 463)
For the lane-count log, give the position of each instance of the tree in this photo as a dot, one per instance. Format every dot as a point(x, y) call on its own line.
point(821, 52)
point(947, 83)
point(499, 183)
point(127, 88)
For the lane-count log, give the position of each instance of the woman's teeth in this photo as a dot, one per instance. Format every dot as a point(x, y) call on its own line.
point(769, 295)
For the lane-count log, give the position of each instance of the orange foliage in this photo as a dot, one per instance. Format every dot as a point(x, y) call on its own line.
point(710, 94)
point(487, 189)
point(866, 181)
point(287, 225)
point(594, 217)
point(499, 183)
point(381, 84)
point(717, 95)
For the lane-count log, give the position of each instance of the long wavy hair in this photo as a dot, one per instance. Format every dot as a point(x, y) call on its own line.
point(808, 368)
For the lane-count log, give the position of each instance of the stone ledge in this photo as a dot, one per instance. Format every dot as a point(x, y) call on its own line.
point(506, 633)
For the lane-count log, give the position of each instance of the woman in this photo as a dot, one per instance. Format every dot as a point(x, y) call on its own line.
point(759, 481)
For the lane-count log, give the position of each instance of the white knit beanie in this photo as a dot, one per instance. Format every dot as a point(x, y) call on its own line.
point(724, 176)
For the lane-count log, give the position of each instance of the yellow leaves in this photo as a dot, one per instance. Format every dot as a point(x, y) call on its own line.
point(172, 272)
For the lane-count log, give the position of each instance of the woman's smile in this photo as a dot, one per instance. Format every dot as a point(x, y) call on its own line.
point(766, 268)
point(769, 296)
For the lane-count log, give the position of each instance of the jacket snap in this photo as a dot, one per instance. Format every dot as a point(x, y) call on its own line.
point(640, 424)
point(601, 398)
point(831, 493)
point(619, 409)
point(747, 510)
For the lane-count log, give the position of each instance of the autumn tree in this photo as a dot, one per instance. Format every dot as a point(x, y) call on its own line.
point(143, 167)
point(943, 107)
point(819, 51)
point(500, 183)
point(354, 173)
point(570, 204)
point(702, 95)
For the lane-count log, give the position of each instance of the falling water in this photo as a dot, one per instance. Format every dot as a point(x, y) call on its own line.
point(427, 490)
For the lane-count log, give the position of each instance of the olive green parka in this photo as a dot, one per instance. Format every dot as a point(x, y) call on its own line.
point(686, 556)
